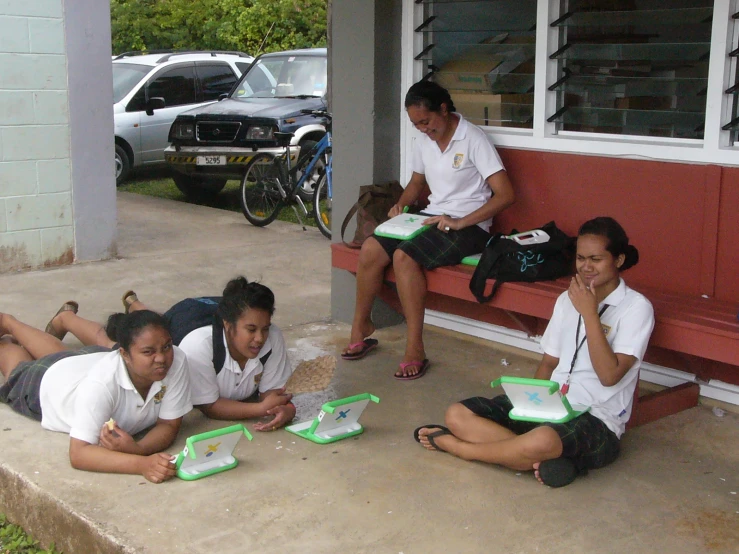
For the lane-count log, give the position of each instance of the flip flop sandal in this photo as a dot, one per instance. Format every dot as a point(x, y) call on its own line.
point(430, 425)
point(422, 368)
point(368, 345)
point(558, 472)
point(68, 306)
point(431, 436)
point(128, 298)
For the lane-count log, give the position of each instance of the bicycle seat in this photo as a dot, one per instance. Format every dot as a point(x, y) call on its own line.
point(283, 139)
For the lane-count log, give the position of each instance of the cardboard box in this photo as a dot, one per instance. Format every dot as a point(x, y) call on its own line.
point(467, 74)
point(480, 109)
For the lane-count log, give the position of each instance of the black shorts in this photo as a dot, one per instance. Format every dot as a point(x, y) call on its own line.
point(434, 248)
point(21, 391)
point(586, 439)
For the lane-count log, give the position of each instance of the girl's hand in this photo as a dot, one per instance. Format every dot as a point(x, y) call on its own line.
point(397, 209)
point(582, 297)
point(275, 398)
point(444, 223)
point(283, 415)
point(117, 440)
point(158, 468)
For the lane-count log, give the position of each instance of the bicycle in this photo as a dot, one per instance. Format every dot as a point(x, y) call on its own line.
point(271, 182)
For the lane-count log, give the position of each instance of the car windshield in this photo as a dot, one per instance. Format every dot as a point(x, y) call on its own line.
point(125, 77)
point(284, 77)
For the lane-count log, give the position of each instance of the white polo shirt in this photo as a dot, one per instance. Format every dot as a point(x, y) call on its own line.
point(80, 393)
point(628, 322)
point(457, 176)
point(232, 382)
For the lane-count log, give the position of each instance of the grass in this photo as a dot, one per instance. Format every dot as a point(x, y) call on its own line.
point(13, 540)
point(158, 183)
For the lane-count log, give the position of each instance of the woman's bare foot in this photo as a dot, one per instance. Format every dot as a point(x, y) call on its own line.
point(412, 363)
point(536, 473)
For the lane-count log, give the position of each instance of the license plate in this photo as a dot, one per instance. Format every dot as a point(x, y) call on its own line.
point(211, 160)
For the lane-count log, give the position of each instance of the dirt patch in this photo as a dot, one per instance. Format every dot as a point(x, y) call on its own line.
point(719, 531)
point(312, 375)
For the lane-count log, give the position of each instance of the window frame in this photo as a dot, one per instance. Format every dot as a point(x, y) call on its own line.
point(715, 147)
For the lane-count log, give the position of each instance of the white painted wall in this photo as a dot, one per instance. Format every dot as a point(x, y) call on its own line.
point(40, 102)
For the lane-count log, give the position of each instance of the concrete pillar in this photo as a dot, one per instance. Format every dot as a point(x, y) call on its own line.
point(57, 190)
point(366, 96)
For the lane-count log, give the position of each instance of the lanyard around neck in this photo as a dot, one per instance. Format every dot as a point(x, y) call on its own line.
point(578, 345)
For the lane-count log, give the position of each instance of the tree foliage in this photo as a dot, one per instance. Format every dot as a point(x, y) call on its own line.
point(244, 25)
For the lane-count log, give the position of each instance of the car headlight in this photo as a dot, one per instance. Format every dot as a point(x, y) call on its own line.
point(259, 132)
point(183, 131)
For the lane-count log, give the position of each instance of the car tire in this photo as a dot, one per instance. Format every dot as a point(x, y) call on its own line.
point(306, 191)
point(122, 165)
point(198, 189)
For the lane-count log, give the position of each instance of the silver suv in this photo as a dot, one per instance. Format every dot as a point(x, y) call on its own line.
point(151, 90)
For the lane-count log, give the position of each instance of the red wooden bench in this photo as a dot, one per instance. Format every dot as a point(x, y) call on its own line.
point(702, 333)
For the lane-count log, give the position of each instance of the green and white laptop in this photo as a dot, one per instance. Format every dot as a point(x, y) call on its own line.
point(472, 260)
point(403, 227)
point(337, 420)
point(209, 453)
point(538, 400)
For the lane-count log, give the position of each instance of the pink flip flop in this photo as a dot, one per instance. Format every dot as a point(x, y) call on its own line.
point(367, 346)
point(422, 368)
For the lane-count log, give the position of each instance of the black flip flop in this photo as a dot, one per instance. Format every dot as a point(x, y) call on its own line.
point(367, 346)
point(431, 436)
point(558, 472)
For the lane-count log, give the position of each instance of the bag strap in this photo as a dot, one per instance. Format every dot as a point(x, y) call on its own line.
point(487, 262)
point(219, 348)
point(348, 218)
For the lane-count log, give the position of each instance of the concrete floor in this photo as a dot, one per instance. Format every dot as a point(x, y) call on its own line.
point(673, 489)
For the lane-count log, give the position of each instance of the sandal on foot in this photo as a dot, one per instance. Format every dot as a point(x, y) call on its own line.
point(558, 472)
point(422, 368)
point(431, 436)
point(367, 346)
point(68, 306)
point(128, 298)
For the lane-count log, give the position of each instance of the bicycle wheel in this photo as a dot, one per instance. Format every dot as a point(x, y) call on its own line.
point(322, 206)
point(261, 200)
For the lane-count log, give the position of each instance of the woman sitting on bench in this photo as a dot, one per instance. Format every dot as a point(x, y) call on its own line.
point(101, 396)
point(593, 347)
point(468, 187)
point(253, 354)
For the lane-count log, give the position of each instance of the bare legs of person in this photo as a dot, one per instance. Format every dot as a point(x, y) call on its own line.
point(476, 438)
point(411, 282)
point(87, 332)
point(370, 270)
point(29, 344)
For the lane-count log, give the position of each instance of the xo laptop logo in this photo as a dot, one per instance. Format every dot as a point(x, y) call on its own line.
point(534, 397)
point(212, 449)
point(342, 415)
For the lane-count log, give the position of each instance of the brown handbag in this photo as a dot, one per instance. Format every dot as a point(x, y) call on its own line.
point(372, 207)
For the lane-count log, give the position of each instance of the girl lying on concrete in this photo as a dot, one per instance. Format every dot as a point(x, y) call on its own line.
point(101, 396)
point(593, 347)
point(254, 355)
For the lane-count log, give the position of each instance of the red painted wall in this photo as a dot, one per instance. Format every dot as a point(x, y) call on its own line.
point(681, 217)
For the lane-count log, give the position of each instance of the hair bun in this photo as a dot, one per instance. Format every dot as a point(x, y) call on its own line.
point(631, 255)
point(235, 286)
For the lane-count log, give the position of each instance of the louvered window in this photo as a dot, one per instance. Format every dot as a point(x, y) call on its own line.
point(632, 67)
point(733, 90)
point(482, 51)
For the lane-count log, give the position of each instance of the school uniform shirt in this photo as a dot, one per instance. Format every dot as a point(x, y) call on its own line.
point(457, 176)
point(79, 394)
point(232, 382)
point(628, 322)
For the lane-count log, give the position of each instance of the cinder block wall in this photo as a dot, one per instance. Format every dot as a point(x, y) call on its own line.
point(36, 219)
point(57, 181)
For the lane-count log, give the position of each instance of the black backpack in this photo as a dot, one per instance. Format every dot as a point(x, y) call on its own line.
point(506, 260)
point(193, 313)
